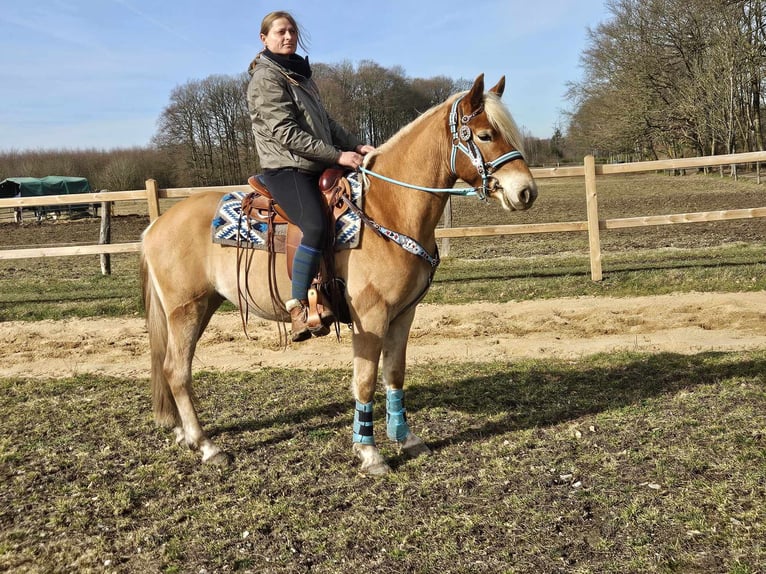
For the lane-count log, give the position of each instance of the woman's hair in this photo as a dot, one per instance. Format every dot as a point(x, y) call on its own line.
point(272, 17)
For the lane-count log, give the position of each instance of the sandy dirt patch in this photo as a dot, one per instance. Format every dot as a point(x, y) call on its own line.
point(558, 328)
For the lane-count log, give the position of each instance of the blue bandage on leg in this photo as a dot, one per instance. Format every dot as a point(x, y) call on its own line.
point(363, 423)
point(396, 416)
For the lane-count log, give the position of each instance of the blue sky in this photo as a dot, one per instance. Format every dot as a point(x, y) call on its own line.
point(81, 74)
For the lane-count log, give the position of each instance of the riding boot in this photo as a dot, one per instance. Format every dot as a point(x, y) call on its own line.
point(298, 315)
point(301, 330)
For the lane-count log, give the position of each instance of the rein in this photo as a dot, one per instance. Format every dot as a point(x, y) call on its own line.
point(462, 139)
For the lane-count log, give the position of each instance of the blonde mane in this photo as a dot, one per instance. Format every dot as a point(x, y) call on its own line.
point(502, 121)
point(497, 114)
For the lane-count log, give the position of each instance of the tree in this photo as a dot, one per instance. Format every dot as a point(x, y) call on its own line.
point(206, 129)
point(665, 77)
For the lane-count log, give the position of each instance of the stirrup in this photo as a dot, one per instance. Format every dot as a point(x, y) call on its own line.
point(314, 321)
point(312, 317)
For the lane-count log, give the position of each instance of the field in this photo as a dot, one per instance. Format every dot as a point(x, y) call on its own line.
point(576, 427)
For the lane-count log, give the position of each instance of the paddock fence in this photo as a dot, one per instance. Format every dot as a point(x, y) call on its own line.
point(592, 225)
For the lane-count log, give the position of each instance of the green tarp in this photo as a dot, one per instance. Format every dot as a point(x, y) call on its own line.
point(50, 185)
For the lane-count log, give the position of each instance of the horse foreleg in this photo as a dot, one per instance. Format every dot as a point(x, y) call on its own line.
point(366, 354)
point(184, 329)
point(394, 366)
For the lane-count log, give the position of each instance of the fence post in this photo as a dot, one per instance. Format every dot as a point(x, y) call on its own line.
point(153, 199)
point(105, 236)
point(591, 199)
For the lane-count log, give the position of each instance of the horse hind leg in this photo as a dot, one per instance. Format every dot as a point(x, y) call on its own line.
point(185, 326)
point(172, 339)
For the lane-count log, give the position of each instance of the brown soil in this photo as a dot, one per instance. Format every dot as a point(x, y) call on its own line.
point(559, 328)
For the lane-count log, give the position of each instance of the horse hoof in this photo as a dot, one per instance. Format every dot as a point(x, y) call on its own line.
point(378, 469)
point(417, 450)
point(414, 447)
point(372, 463)
point(219, 459)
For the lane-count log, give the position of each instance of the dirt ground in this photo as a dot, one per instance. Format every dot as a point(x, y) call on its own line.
point(559, 328)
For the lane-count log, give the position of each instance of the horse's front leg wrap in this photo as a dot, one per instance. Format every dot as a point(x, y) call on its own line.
point(396, 415)
point(363, 423)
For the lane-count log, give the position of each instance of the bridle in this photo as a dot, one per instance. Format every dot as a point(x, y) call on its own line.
point(462, 139)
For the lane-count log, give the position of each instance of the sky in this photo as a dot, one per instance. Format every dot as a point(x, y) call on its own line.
point(97, 74)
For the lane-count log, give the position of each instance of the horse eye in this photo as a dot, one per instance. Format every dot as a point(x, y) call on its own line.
point(484, 136)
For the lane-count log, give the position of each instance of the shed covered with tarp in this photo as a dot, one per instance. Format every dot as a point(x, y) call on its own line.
point(50, 185)
point(15, 187)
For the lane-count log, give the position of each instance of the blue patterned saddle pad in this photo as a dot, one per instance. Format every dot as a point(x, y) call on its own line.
point(230, 228)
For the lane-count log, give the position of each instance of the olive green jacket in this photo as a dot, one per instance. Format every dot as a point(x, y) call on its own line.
point(290, 124)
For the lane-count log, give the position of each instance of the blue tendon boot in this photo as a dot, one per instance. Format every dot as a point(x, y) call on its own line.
point(397, 428)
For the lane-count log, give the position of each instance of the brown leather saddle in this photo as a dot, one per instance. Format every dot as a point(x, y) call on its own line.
point(260, 205)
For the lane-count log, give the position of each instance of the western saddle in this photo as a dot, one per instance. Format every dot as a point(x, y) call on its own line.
point(325, 295)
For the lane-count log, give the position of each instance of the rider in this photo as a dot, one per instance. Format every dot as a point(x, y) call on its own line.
point(296, 140)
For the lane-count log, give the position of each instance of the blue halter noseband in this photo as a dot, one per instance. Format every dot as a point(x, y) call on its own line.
point(462, 139)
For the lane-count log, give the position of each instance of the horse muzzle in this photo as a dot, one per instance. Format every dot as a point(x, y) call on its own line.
point(516, 193)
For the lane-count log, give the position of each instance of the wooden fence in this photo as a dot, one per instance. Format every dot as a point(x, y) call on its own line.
point(592, 225)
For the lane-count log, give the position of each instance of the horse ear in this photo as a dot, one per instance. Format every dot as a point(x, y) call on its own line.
point(476, 94)
point(499, 88)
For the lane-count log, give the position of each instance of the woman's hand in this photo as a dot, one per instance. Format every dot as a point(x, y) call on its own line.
point(354, 159)
point(350, 159)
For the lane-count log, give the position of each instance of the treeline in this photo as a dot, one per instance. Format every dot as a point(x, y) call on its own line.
point(115, 170)
point(204, 136)
point(668, 78)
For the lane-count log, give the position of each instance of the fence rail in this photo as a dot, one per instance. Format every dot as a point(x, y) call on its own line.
point(589, 170)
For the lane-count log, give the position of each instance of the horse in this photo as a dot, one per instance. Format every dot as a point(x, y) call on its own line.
point(184, 282)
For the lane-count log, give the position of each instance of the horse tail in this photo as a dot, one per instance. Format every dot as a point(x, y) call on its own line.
point(164, 405)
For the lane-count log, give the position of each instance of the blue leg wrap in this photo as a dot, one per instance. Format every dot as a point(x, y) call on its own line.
point(363, 423)
point(396, 416)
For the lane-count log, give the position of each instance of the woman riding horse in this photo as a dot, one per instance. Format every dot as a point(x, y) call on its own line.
point(296, 140)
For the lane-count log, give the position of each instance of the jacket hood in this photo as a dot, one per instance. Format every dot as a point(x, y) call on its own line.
point(253, 64)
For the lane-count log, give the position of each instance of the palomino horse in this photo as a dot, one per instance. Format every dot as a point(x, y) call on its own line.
point(185, 281)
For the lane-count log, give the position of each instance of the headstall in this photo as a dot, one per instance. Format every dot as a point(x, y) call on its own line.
point(462, 139)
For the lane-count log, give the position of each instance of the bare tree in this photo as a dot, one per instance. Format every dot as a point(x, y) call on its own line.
point(671, 76)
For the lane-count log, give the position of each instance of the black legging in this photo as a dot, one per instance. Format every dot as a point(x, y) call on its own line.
point(297, 193)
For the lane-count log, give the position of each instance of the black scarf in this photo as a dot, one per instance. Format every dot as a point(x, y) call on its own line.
point(293, 62)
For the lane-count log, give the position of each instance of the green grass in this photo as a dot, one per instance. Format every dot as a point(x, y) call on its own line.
point(623, 463)
point(731, 268)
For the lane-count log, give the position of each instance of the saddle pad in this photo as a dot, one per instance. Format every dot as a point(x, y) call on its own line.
point(230, 228)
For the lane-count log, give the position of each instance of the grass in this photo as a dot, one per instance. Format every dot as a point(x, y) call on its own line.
point(626, 463)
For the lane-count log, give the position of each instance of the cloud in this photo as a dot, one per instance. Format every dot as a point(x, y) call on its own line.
point(153, 21)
